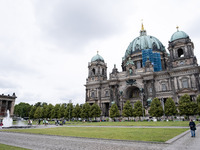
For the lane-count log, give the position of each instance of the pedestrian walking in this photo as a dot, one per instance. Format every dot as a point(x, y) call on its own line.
point(1, 124)
point(192, 128)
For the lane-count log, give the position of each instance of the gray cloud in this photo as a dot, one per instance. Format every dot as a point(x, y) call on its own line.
point(74, 24)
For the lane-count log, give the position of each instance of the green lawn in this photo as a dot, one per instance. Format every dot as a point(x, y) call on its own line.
point(139, 123)
point(138, 134)
point(8, 147)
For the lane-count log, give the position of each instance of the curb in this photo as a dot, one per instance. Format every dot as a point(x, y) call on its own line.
point(179, 136)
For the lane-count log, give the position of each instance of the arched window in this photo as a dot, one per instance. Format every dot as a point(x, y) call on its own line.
point(106, 93)
point(137, 47)
point(92, 94)
point(185, 83)
point(150, 90)
point(93, 71)
point(164, 88)
point(103, 71)
point(138, 64)
point(180, 52)
point(154, 46)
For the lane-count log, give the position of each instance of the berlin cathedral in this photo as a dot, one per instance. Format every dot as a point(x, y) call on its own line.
point(148, 71)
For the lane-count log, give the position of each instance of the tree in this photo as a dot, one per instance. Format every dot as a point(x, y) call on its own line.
point(44, 111)
point(68, 111)
point(49, 110)
point(76, 112)
point(127, 110)
point(114, 112)
point(22, 109)
point(186, 106)
point(156, 109)
point(38, 104)
point(170, 108)
point(137, 111)
point(198, 99)
point(95, 111)
point(61, 111)
point(85, 112)
point(56, 110)
point(38, 112)
point(32, 112)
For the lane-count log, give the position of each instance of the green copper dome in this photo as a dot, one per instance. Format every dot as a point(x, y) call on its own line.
point(97, 57)
point(178, 35)
point(144, 42)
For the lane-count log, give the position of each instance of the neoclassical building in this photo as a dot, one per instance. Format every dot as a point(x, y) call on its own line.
point(148, 71)
point(7, 102)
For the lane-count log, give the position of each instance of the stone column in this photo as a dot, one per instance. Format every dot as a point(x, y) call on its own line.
point(153, 89)
point(99, 96)
point(177, 83)
point(12, 108)
point(197, 80)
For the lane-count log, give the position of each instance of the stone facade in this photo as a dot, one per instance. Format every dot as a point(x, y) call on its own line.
point(7, 102)
point(179, 76)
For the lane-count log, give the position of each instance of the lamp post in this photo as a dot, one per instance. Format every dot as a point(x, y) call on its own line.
point(141, 92)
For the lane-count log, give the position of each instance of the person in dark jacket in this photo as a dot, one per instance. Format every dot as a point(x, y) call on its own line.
point(192, 128)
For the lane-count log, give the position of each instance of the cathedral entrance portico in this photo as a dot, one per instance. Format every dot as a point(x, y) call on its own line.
point(133, 93)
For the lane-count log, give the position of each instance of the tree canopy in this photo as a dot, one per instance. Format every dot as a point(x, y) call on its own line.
point(156, 109)
point(127, 110)
point(186, 106)
point(114, 112)
point(137, 110)
point(170, 107)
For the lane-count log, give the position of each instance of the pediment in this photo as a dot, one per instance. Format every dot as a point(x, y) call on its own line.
point(185, 90)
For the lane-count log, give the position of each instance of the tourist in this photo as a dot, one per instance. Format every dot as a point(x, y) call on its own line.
point(192, 128)
point(39, 122)
point(1, 124)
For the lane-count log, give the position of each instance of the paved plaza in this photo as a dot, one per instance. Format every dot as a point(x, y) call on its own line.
point(42, 142)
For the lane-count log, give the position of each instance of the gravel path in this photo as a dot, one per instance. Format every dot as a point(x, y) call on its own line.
point(42, 142)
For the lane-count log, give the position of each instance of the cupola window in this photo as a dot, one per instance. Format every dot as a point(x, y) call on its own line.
point(180, 52)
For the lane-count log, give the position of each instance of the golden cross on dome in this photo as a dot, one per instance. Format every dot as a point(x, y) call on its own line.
point(97, 52)
point(177, 27)
point(142, 29)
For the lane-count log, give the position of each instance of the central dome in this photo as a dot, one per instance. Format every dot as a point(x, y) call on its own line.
point(144, 42)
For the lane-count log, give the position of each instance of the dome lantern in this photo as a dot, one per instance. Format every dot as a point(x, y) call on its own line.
point(178, 35)
point(97, 57)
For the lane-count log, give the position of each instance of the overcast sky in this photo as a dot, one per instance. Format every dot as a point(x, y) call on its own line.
point(45, 45)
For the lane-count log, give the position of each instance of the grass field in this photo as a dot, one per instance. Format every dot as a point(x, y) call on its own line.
point(8, 147)
point(138, 134)
point(139, 123)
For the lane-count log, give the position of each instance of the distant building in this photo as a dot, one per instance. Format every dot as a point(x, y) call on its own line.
point(148, 71)
point(7, 102)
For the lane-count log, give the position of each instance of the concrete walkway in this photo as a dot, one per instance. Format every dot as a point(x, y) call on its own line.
point(41, 142)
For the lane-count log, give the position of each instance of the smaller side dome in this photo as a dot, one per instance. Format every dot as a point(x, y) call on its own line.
point(178, 35)
point(97, 57)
